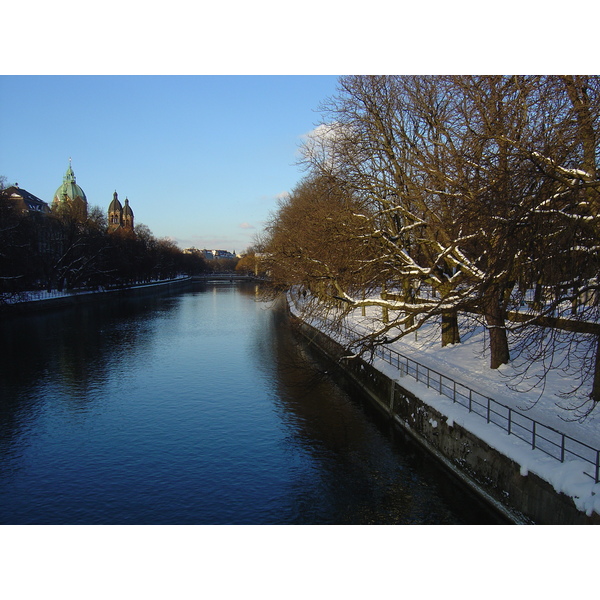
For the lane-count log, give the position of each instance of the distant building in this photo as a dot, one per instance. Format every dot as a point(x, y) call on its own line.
point(120, 218)
point(25, 202)
point(210, 254)
point(70, 197)
point(27, 205)
point(223, 254)
point(206, 254)
point(193, 250)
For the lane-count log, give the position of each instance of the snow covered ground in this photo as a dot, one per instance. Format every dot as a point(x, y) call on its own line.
point(468, 364)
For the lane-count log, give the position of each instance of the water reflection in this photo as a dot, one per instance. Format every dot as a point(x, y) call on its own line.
point(81, 346)
point(193, 409)
point(358, 475)
point(65, 359)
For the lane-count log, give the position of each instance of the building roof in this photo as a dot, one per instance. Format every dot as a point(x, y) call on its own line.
point(33, 203)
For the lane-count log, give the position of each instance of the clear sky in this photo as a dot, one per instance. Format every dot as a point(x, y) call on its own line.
point(203, 156)
point(202, 159)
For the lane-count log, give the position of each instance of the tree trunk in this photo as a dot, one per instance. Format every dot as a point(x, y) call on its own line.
point(537, 297)
point(385, 316)
point(408, 296)
point(495, 319)
point(595, 395)
point(577, 90)
point(450, 333)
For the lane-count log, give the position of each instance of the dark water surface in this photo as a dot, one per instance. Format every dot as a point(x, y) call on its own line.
point(197, 408)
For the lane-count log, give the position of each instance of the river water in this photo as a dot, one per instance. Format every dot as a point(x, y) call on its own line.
point(197, 408)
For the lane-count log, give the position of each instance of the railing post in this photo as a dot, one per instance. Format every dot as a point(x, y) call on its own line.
point(597, 466)
point(488, 409)
point(470, 398)
point(533, 437)
point(562, 448)
point(509, 420)
point(454, 391)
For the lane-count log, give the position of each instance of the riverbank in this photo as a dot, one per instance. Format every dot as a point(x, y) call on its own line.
point(34, 301)
point(516, 476)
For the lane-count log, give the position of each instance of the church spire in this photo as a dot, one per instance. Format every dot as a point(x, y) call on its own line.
point(115, 213)
point(70, 175)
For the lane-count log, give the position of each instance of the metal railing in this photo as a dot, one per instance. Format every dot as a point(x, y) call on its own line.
point(542, 437)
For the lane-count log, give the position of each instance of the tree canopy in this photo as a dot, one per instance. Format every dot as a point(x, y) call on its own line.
point(433, 195)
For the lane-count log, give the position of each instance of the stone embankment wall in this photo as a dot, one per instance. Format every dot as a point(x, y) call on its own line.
point(494, 477)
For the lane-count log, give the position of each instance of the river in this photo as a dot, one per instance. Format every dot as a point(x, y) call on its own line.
point(200, 407)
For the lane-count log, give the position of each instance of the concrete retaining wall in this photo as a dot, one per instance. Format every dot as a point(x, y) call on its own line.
point(493, 476)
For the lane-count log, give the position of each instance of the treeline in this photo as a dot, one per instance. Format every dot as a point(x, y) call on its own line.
point(437, 195)
point(60, 252)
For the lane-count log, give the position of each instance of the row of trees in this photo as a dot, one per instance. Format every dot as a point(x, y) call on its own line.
point(59, 251)
point(429, 196)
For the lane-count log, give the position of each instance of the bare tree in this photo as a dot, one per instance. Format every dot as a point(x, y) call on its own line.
point(558, 233)
point(476, 188)
point(317, 241)
point(394, 142)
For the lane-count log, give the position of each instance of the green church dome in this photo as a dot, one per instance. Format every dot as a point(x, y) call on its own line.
point(69, 190)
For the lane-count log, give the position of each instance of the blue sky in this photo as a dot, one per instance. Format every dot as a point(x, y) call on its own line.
point(202, 159)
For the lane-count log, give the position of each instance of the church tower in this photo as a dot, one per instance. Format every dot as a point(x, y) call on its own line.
point(70, 198)
point(127, 217)
point(115, 214)
point(120, 218)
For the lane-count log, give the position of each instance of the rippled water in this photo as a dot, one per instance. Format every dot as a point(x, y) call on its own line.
point(197, 408)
